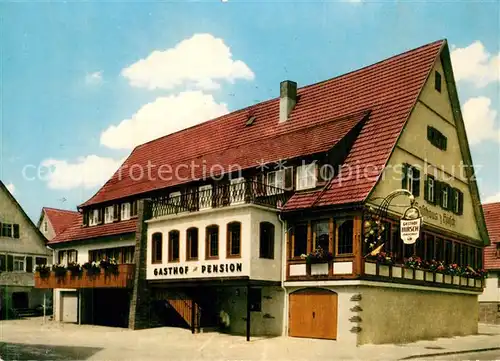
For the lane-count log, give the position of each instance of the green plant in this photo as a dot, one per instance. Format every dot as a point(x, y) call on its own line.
point(91, 268)
point(75, 268)
point(413, 262)
point(319, 255)
point(43, 270)
point(109, 265)
point(59, 270)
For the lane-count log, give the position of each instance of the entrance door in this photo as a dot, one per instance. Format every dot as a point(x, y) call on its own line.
point(20, 300)
point(313, 314)
point(69, 307)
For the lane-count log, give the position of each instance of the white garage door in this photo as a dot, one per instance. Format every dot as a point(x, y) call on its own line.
point(69, 307)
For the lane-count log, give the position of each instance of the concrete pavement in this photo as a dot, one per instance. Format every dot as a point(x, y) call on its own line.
point(106, 343)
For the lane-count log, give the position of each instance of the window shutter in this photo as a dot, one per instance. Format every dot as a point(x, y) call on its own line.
point(450, 197)
point(29, 264)
point(437, 192)
point(16, 230)
point(416, 182)
point(460, 202)
point(404, 179)
point(116, 212)
point(3, 265)
point(289, 178)
point(10, 263)
point(426, 189)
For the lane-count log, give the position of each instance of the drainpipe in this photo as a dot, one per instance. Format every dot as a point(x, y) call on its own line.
point(283, 271)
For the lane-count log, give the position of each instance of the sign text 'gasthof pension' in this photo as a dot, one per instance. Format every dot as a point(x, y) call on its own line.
point(208, 269)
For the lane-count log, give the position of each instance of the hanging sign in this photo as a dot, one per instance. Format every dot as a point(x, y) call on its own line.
point(410, 225)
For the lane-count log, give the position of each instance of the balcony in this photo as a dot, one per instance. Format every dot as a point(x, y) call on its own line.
point(220, 195)
point(123, 279)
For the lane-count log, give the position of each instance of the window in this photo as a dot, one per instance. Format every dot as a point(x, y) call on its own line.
point(345, 237)
point(279, 180)
point(157, 248)
point(436, 138)
point(205, 196)
point(61, 257)
point(212, 242)
point(93, 217)
point(128, 254)
point(411, 179)
point(448, 252)
point(40, 261)
point(430, 189)
point(45, 226)
point(458, 201)
point(234, 239)
point(445, 196)
point(192, 244)
point(408, 250)
point(7, 230)
point(458, 254)
point(306, 176)
point(420, 248)
point(299, 240)
point(255, 299)
point(429, 253)
point(439, 250)
point(72, 256)
point(173, 246)
point(237, 191)
point(437, 81)
point(19, 262)
point(67, 256)
point(120, 254)
point(321, 235)
point(109, 214)
point(133, 209)
point(266, 240)
point(125, 211)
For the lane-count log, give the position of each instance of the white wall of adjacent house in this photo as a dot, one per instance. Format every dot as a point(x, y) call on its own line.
point(247, 264)
point(491, 292)
point(83, 249)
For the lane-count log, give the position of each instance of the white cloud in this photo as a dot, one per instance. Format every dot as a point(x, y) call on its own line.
point(87, 172)
point(480, 120)
point(492, 199)
point(94, 78)
point(11, 187)
point(475, 65)
point(163, 116)
point(201, 60)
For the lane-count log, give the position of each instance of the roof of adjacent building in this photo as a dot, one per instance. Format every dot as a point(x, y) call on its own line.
point(60, 219)
point(492, 218)
point(323, 114)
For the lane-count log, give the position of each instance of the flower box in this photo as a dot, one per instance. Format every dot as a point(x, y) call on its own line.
point(429, 276)
point(319, 269)
point(463, 281)
point(447, 279)
point(408, 273)
point(456, 280)
point(419, 275)
point(370, 268)
point(479, 283)
point(471, 282)
point(383, 270)
point(397, 272)
point(439, 277)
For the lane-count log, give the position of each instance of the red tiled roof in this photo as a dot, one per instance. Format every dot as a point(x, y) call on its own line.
point(60, 219)
point(389, 89)
point(492, 217)
point(76, 231)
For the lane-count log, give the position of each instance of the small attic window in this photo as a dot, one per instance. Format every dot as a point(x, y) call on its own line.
point(250, 120)
point(437, 81)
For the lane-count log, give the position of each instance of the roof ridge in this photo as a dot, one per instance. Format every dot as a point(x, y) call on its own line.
point(59, 210)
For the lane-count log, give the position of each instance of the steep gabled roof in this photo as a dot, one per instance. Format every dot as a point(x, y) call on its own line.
point(60, 219)
point(388, 89)
point(492, 217)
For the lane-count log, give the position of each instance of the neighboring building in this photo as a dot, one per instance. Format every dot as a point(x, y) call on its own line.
point(212, 245)
point(54, 221)
point(489, 301)
point(22, 247)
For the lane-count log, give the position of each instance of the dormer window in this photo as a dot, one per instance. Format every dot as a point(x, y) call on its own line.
point(109, 214)
point(93, 217)
point(125, 211)
point(279, 180)
point(306, 176)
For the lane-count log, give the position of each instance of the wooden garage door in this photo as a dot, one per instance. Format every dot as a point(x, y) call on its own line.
point(313, 314)
point(69, 307)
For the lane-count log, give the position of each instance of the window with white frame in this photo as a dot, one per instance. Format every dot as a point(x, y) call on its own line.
point(306, 176)
point(279, 180)
point(456, 201)
point(93, 217)
point(109, 214)
point(237, 190)
point(430, 194)
point(125, 211)
point(19, 263)
point(444, 197)
point(205, 196)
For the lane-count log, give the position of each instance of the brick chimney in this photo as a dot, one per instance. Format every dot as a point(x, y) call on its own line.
point(288, 99)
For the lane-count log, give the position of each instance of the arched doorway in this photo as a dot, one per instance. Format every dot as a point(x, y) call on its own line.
point(313, 313)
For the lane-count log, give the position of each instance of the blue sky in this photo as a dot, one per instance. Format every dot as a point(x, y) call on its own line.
point(63, 84)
